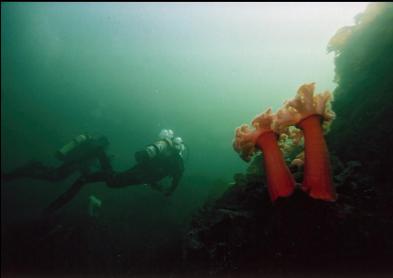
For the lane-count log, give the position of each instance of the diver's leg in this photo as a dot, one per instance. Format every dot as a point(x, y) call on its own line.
point(37, 170)
point(63, 171)
point(133, 176)
point(75, 188)
point(64, 198)
point(32, 169)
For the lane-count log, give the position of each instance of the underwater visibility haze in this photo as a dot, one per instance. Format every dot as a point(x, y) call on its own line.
point(128, 70)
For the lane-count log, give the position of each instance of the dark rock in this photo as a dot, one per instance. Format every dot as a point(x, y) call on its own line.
point(244, 232)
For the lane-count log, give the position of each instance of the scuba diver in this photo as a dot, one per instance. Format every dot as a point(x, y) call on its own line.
point(79, 155)
point(162, 159)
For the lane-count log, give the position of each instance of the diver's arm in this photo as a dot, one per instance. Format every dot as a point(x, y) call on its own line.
point(175, 182)
point(176, 177)
point(104, 160)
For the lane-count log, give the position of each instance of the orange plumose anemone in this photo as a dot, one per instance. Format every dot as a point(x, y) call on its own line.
point(264, 138)
point(309, 112)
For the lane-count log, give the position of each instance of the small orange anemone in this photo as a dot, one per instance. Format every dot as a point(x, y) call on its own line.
point(298, 161)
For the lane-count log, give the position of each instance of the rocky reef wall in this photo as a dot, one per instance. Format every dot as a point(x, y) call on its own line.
point(363, 129)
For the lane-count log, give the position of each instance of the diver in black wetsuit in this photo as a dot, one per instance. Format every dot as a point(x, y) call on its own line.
point(155, 162)
point(79, 155)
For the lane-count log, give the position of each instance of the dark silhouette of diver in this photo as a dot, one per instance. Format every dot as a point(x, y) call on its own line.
point(79, 155)
point(155, 162)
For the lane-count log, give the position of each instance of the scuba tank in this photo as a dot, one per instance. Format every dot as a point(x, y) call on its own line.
point(68, 148)
point(153, 150)
point(158, 147)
